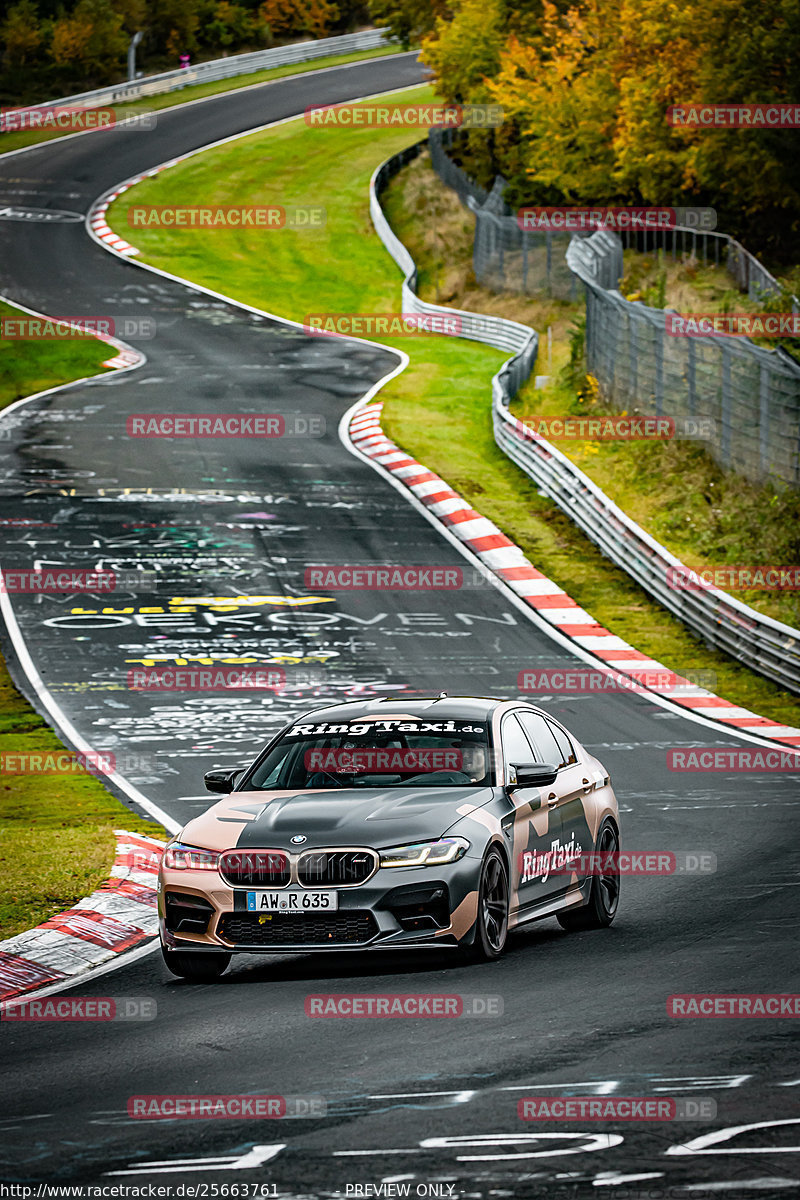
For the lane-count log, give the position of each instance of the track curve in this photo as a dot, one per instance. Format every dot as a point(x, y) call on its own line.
point(232, 519)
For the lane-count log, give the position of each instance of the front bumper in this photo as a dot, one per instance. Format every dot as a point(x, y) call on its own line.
point(397, 908)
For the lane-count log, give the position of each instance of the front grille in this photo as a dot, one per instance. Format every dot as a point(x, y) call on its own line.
point(255, 868)
point(335, 868)
point(349, 928)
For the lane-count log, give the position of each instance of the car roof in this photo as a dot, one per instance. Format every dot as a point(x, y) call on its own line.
point(440, 708)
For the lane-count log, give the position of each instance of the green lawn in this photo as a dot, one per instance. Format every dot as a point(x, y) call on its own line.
point(34, 366)
point(56, 840)
point(198, 91)
point(294, 273)
point(439, 408)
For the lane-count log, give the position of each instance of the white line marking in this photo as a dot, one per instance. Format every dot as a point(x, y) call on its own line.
point(255, 1157)
point(699, 1145)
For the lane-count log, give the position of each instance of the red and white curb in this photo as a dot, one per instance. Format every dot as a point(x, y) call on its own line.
point(100, 227)
point(118, 916)
point(507, 561)
point(98, 222)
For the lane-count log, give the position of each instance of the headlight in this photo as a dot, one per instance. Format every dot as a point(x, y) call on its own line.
point(425, 854)
point(190, 858)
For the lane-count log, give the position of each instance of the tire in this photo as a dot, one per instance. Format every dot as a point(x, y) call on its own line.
point(601, 908)
point(491, 931)
point(200, 966)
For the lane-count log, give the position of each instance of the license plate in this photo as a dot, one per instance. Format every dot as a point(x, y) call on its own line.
point(294, 900)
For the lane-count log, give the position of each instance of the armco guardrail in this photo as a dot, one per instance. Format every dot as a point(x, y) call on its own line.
point(768, 646)
point(495, 331)
point(724, 623)
point(225, 68)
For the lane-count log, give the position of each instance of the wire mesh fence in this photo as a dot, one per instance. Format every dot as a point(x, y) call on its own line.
point(749, 396)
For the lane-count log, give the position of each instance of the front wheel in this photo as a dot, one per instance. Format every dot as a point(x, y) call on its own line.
point(603, 902)
point(201, 966)
point(492, 921)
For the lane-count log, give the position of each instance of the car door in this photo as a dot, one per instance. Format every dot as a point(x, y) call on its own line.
point(535, 824)
point(574, 783)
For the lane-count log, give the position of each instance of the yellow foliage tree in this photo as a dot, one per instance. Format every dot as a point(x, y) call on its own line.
point(20, 33)
point(312, 17)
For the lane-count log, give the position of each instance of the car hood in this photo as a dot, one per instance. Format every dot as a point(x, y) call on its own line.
point(335, 817)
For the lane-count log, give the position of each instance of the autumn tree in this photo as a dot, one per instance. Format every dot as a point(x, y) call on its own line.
point(232, 25)
point(20, 33)
point(465, 49)
point(561, 94)
point(408, 20)
point(315, 18)
point(90, 38)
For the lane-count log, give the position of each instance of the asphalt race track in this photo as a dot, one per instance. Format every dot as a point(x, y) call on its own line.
point(430, 1103)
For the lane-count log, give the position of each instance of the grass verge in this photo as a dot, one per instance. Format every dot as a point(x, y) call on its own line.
point(19, 140)
point(439, 408)
point(34, 366)
point(56, 839)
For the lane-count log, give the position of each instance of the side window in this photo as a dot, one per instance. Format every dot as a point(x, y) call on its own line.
point(568, 755)
point(515, 744)
point(540, 733)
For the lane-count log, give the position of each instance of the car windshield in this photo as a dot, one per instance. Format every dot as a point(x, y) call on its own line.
point(368, 753)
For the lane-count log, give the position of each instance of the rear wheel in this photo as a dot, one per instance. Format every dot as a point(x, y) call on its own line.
point(492, 922)
point(604, 894)
point(201, 966)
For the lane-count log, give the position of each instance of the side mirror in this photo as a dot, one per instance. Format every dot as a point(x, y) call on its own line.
point(531, 775)
point(222, 779)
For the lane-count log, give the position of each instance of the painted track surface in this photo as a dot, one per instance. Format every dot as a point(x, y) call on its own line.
point(215, 520)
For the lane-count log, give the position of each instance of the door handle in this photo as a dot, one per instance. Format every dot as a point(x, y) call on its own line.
point(552, 800)
point(587, 786)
